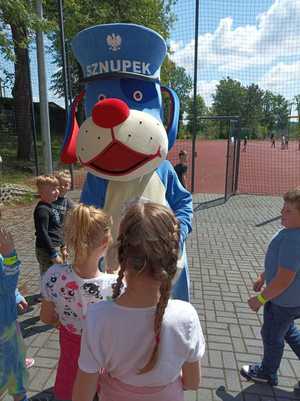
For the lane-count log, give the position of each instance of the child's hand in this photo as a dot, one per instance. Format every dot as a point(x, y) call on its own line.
point(259, 283)
point(6, 242)
point(23, 306)
point(57, 260)
point(64, 254)
point(254, 304)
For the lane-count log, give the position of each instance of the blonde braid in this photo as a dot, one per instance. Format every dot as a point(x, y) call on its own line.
point(165, 290)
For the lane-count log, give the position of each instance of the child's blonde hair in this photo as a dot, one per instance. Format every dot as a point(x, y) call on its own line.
point(84, 229)
point(62, 175)
point(43, 180)
point(293, 196)
point(149, 241)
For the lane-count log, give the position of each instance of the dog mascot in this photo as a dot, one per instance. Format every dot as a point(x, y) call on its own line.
point(123, 144)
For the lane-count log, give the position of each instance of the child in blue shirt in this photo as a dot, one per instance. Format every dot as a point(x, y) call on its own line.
point(280, 296)
point(13, 374)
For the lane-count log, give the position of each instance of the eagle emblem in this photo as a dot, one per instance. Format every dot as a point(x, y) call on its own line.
point(114, 42)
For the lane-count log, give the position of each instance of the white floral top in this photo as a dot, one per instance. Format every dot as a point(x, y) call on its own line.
point(71, 294)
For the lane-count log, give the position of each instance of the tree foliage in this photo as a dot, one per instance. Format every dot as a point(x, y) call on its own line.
point(275, 112)
point(261, 112)
point(176, 78)
point(252, 108)
point(198, 109)
point(297, 101)
point(18, 22)
point(228, 96)
point(79, 14)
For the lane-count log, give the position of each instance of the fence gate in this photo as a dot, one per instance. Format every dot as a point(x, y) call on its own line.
point(231, 128)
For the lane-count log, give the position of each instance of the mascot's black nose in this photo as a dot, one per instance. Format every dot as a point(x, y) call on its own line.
point(108, 113)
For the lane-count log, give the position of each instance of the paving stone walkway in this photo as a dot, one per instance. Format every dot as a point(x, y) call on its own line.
point(226, 252)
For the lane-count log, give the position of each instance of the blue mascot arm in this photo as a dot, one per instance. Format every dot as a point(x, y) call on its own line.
point(179, 199)
point(94, 191)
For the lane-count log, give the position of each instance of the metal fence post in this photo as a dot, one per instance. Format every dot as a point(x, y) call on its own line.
point(194, 133)
point(65, 70)
point(43, 93)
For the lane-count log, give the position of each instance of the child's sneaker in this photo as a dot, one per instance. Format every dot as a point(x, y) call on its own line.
point(29, 362)
point(255, 373)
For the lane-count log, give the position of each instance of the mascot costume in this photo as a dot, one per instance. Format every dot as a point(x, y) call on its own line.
point(123, 143)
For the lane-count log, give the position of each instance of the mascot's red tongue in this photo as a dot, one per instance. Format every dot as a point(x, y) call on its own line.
point(118, 158)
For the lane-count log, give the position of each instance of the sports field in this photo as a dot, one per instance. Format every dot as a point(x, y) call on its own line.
point(263, 170)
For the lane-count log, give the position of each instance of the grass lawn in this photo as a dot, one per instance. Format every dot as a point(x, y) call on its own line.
point(18, 172)
point(13, 171)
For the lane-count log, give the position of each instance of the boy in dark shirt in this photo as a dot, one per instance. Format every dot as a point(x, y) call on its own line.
point(181, 167)
point(62, 204)
point(49, 238)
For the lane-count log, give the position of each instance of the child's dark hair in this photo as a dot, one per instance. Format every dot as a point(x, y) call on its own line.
point(149, 242)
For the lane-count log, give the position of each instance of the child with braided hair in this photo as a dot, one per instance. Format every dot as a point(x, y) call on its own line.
point(146, 346)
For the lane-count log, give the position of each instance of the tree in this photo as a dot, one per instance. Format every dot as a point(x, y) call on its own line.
point(297, 101)
point(18, 22)
point(268, 118)
point(281, 110)
point(199, 110)
point(176, 78)
point(252, 108)
point(229, 98)
point(80, 14)
point(228, 101)
point(275, 111)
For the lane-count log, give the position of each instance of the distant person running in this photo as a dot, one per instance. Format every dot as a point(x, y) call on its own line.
point(245, 144)
point(181, 167)
point(273, 142)
point(282, 142)
point(286, 142)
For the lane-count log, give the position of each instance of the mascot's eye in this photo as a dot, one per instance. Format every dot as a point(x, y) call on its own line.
point(101, 97)
point(137, 96)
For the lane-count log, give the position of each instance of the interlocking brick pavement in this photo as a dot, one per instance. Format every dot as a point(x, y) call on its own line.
point(226, 252)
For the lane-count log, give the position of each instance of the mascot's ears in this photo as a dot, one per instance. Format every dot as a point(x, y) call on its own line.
point(68, 153)
point(173, 114)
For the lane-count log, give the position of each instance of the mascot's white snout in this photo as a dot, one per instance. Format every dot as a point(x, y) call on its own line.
point(128, 144)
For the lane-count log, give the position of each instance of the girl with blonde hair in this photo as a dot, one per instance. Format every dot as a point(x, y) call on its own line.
point(148, 346)
point(68, 289)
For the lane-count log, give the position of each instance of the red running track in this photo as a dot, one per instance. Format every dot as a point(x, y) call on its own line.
point(263, 170)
